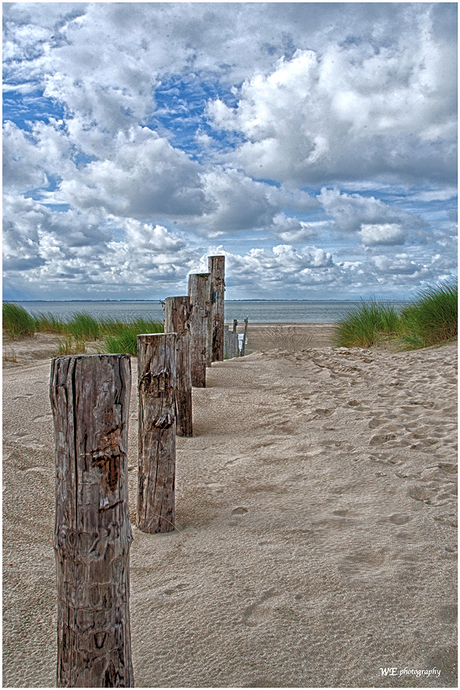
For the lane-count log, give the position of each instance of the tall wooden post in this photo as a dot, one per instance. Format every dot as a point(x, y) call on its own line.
point(177, 314)
point(157, 431)
point(216, 267)
point(245, 335)
point(199, 293)
point(90, 403)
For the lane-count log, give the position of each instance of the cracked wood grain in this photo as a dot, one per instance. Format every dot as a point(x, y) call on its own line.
point(157, 432)
point(200, 301)
point(216, 267)
point(89, 397)
point(177, 320)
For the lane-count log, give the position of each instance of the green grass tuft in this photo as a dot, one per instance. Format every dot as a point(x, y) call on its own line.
point(48, 323)
point(368, 324)
point(83, 326)
point(17, 321)
point(123, 339)
point(118, 336)
point(431, 320)
point(68, 347)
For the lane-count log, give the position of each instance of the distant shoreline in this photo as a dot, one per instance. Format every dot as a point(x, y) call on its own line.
point(256, 311)
point(160, 301)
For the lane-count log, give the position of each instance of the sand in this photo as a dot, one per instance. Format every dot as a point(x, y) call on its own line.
point(316, 514)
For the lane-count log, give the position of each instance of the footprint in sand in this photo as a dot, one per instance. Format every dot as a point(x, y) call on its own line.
point(257, 613)
point(323, 412)
point(398, 519)
point(364, 564)
point(375, 422)
point(378, 439)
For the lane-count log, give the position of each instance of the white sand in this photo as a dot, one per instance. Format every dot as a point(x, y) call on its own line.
point(316, 505)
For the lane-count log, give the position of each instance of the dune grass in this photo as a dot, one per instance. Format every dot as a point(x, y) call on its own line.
point(48, 323)
point(115, 336)
point(69, 346)
point(368, 324)
point(17, 321)
point(123, 338)
point(430, 320)
point(83, 326)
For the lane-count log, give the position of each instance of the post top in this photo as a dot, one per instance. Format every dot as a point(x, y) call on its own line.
point(150, 335)
point(100, 355)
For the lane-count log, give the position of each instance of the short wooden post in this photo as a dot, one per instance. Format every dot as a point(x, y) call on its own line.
point(216, 267)
point(235, 324)
point(177, 314)
point(89, 397)
point(231, 343)
point(199, 293)
point(157, 432)
point(243, 344)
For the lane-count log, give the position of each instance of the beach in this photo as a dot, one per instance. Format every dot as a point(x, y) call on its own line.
point(316, 515)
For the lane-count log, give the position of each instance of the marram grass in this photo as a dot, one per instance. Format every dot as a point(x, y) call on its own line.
point(430, 320)
point(117, 337)
point(83, 326)
point(366, 325)
point(17, 321)
point(125, 340)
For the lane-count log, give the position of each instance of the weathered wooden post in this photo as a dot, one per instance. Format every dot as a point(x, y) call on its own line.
point(231, 343)
point(235, 324)
point(90, 402)
point(243, 344)
point(177, 314)
point(216, 267)
point(199, 293)
point(209, 329)
point(157, 432)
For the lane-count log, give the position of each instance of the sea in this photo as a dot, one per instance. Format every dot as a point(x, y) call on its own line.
point(256, 311)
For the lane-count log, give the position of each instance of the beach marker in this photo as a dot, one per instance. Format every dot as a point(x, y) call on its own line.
point(177, 315)
point(89, 397)
point(199, 290)
point(157, 432)
point(216, 267)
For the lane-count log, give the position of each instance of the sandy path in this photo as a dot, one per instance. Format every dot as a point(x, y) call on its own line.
point(316, 505)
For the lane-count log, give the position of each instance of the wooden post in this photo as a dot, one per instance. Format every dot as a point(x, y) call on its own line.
point(225, 342)
point(235, 324)
point(157, 432)
point(177, 314)
point(90, 403)
point(216, 267)
point(243, 344)
point(209, 329)
point(230, 343)
point(199, 293)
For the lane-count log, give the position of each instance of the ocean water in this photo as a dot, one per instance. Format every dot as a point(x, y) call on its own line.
point(256, 311)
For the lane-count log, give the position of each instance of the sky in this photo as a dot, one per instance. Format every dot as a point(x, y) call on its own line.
point(313, 144)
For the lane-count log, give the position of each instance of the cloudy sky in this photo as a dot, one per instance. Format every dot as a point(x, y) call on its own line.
point(314, 144)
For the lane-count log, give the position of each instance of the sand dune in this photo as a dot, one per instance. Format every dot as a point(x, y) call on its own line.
point(316, 513)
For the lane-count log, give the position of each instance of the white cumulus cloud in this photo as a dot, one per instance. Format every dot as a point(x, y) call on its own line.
point(383, 234)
